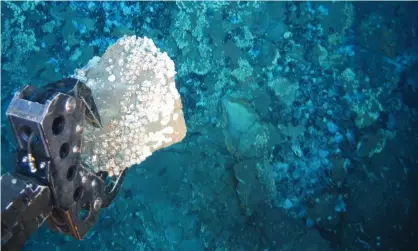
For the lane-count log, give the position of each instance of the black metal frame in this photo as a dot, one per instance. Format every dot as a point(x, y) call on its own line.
point(47, 123)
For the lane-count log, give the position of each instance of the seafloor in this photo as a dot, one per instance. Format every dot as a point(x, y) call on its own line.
point(302, 121)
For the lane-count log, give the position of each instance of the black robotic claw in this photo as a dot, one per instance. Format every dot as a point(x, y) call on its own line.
point(50, 182)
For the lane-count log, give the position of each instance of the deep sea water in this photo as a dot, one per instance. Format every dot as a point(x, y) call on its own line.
point(302, 121)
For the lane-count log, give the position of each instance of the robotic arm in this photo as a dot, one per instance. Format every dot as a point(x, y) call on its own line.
point(50, 182)
point(70, 164)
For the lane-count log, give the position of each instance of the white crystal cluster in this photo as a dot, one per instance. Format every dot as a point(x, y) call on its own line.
point(140, 108)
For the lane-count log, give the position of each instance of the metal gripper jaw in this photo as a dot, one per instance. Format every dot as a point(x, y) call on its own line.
point(48, 125)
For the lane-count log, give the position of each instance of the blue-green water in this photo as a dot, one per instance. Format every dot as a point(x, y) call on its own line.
point(327, 96)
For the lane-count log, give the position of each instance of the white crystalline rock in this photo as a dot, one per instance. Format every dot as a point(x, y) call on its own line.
point(140, 107)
